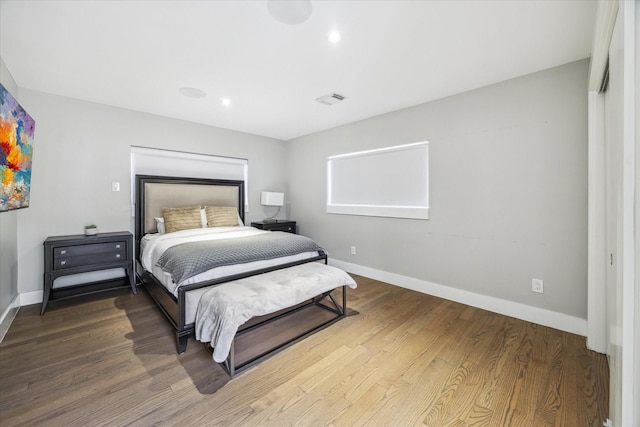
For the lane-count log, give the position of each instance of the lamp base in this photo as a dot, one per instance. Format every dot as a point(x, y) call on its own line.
point(269, 220)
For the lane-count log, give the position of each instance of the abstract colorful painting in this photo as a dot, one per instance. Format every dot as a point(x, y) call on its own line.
point(16, 149)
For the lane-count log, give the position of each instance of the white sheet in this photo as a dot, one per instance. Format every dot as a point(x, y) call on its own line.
point(153, 245)
point(223, 308)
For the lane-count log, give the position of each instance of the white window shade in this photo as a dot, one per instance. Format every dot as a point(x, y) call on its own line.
point(153, 161)
point(390, 182)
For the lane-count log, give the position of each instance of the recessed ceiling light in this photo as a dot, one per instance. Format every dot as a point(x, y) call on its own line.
point(334, 37)
point(290, 12)
point(192, 92)
point(226, 102)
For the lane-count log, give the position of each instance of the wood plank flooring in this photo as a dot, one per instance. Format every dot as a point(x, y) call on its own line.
point(406, 359)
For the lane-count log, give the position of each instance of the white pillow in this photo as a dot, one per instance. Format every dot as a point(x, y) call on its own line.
point(203, 217)
point(160, 225)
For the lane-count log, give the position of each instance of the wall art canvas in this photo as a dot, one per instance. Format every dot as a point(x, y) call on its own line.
point(16, 151)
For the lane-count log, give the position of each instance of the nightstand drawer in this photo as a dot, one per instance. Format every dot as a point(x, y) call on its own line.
point(287, 228)
point(89, 260)
point(280, 225)
point(97, 248)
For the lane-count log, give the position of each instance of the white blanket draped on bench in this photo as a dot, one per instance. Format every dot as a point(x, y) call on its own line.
point(224, 308)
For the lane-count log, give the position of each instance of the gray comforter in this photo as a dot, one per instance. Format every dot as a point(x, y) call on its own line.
point(189, 259)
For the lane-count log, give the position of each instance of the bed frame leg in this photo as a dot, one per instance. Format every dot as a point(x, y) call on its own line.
point(182, 343)
point(232, 359)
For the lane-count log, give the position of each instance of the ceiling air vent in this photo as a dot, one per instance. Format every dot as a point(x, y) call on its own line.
point(330, 99)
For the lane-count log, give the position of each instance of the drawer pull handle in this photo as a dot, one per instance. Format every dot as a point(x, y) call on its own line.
point(117, 246)
point(63, 262)
point(63, 252)
point(117, 255)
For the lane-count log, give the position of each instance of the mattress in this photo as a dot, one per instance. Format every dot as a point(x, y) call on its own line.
point(153, 246)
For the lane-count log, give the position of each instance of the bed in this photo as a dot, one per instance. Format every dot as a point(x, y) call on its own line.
point(178, 294)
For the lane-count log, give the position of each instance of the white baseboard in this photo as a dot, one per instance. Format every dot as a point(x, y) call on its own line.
point(8, 315)
point(27, 298)
point(33, 297)
point(541, 316)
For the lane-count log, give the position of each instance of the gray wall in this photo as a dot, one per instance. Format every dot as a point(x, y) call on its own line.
point(81, 147)
point(8, 229)
point(508, 185)
point(508, 191)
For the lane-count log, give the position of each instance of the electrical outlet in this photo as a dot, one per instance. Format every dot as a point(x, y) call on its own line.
point(353, 250)
point(537, 285)
point(115, 186)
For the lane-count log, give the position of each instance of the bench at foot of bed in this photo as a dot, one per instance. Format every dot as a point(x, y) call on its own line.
point(249, 319)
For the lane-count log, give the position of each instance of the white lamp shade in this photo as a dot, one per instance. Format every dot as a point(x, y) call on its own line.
point(268, 198)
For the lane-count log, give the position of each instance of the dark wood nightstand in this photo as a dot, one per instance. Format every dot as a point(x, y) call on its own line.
point(68, 255)
point(280, 225)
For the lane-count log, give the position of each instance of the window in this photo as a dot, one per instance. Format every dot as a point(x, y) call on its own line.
point(388, 182)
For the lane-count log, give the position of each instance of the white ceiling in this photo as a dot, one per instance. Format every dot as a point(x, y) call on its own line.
point(393, 54)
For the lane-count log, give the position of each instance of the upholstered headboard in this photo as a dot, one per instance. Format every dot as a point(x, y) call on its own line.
point(153, 193)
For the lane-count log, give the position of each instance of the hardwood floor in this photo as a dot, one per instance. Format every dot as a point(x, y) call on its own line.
point(406, 359)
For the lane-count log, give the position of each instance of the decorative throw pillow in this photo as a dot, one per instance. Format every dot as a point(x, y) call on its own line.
point(176, 219)
point(221, 216)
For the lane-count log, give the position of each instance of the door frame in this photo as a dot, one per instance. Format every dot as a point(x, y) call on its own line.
point(628, 282)
point(597, 336)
